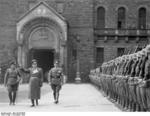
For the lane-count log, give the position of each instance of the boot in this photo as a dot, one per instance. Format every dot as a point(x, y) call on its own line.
point(130, 106)
point(14, 97)
point(138, 108)
point(10, 98)
point(133, 107)
point(124, 104)
point(142, 109)
point(32, 101)
point(37, 103)
point(54, 94)
point(57, 97)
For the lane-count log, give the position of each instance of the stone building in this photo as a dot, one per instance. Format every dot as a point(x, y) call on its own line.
point(81, 34)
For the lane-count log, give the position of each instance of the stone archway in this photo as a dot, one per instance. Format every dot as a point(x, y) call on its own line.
point(42, 28)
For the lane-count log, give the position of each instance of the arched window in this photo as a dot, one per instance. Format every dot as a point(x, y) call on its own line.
point(142, 18)
point(121, 18)
point(101, 17)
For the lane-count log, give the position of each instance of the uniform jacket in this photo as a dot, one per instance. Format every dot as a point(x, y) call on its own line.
point(142, 67)
point(55, 73)
point(133, 68)
point(11, 77)
point(147, 70)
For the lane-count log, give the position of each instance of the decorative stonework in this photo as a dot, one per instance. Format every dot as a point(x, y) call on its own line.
point(43, 28)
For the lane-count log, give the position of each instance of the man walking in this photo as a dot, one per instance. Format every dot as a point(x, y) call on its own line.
point(55, 80)
point(11, 81)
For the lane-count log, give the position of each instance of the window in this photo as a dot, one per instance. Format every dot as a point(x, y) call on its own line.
point(101, 17)
point(142, 18)
point(121, 18)
point(121, 51)
point(99, 55)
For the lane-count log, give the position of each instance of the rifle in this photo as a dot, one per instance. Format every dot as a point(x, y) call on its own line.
point(144, 46)
point(136, 49)
point(130, 51)
point(125, 51)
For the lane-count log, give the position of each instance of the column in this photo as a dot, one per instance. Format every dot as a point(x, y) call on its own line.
point(78, 78)
point(19, 55)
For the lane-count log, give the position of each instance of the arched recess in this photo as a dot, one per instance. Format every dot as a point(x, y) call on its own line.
point(101, 17)
point(38, 18)
point(142, 18)
point(121, 22)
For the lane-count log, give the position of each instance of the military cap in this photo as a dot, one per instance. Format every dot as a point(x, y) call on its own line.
point(56, 62)
point(12, 63)
point(144, 52)
point(127, 56)
point(135, 56)
point(34, 61)
point(139, 54)
point(132, 56)
point(147, 46)
point(124, 56)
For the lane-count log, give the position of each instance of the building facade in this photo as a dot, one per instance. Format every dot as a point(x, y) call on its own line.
point(81, 34)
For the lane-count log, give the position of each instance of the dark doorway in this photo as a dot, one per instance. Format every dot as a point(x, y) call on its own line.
point(45, 59)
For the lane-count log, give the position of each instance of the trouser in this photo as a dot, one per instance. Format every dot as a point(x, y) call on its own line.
point(114, 90)
point(12, 96)
point(56, 89)
point(124, 93)
point(139, 98)
point(143, 97)
point(32, 101)
point(148, 98)
point(132, 95)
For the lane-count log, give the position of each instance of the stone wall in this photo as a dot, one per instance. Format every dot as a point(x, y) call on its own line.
point(81, 19)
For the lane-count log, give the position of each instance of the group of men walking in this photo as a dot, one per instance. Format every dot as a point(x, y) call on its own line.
point(126, 80)
point(13, 77)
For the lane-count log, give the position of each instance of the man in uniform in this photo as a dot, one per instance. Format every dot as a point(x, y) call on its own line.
point(11, 81)
point(138, 80)
point(132, 81)
point(126, 82)
point(56, 80)
point(147, 77)
point(141, 76)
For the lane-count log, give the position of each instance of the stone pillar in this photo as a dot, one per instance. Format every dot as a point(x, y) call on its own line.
point(19, 55)
point(23, 57)
point(78, 78)
point(61, 58)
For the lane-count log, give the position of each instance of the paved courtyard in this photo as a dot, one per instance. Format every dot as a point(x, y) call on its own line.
point(73, 98)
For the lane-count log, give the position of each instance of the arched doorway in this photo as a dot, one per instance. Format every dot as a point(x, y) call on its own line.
point(42, 37)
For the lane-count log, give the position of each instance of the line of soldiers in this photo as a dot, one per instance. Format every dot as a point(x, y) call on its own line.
point(126, 80)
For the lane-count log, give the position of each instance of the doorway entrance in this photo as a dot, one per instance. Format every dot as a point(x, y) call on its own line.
point(45, 59)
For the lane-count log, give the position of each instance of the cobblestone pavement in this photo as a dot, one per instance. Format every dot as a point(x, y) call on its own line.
point(73, 98)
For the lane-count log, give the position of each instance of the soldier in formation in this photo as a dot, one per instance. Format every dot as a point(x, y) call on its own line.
point(126, 80)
